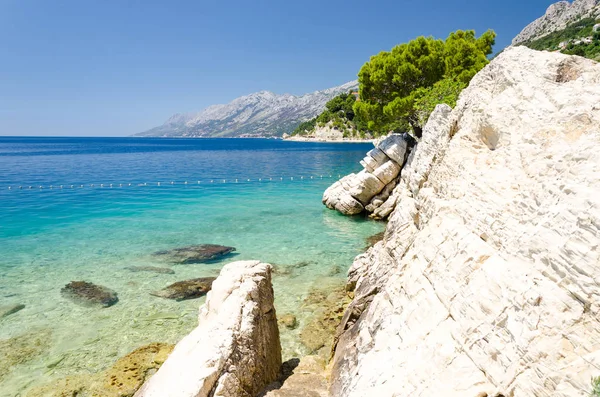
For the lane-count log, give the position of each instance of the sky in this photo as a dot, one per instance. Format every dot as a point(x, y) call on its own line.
point(117, 67)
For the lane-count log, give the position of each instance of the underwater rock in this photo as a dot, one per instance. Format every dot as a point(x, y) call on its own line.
point(374, 239)
point(88, 294)
point(7, 310)
point(123, 379)
point(288, 320)
point(187, 289)
point(153, 269)
point(306, 377)
point(22, 348)
point(195, 253)
point(327, 305)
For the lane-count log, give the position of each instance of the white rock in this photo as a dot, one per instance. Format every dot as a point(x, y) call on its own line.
point(364, 186)
point(387, 172)
point(235, 350)
point(486, 281)
point(394, 146)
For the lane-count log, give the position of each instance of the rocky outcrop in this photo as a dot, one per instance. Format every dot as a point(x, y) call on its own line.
point(370, 189)
point(486, 281)
point(557, 17)
point(195, 253)
point(187, 289)
point(89, 294)
point(235, 350)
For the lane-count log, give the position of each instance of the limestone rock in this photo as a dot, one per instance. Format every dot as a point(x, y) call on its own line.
point(235, 349)
point(7, 310)
point(151, 269)
point(395, 147)
point(370, 188)
point(307, 378)
point(187, 289)
point(88, 294)
point(195, 253)
point(486, 282)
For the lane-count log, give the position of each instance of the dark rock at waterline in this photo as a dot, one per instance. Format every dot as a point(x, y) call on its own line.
point(7, 310)
point(374, 239)
point(188, 289)
point(195, 253)
point(152, 269)
point(88, 294)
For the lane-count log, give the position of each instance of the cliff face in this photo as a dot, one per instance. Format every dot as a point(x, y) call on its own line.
point(486, 282)
point(557, 17)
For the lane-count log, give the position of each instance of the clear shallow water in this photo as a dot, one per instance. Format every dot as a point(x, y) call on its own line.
point(49, 237)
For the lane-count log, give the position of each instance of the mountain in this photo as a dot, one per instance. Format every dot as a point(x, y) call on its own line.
point(557, 17)
point(260, 114)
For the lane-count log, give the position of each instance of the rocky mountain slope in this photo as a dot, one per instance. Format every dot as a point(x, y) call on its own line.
point(260, 114)
point(486, 282)
point(557, 17)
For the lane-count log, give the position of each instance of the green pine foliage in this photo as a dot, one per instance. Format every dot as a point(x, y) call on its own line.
point(391, 83)
point(444, 91)
point(339, 112)
point(595, 387)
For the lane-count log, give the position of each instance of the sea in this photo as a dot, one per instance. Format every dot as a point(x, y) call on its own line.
point(85, 209)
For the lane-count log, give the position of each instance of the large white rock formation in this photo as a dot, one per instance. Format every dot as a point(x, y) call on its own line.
point(486, 282)
point(369, 189)
point(235, 350)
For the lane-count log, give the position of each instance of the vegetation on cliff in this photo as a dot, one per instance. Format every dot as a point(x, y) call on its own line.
point(578, 38)
point(399, 89)
point(339, 114)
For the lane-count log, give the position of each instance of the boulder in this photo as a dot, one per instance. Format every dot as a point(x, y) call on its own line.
point(288, 320)
point(486, 283)
point(187, 289)
point(195, 253)
point(364, 186)
point(235, 350)
point(88, 294)
point(387, 172)
point(152, 269)
point(394, 146)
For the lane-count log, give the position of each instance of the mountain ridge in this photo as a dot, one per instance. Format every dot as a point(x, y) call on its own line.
point(260, 114)
point(557, 17)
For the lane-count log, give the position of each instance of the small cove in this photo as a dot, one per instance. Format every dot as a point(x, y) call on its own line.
point(51, 237)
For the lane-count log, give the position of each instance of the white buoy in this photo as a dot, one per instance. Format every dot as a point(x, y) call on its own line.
point(260, 180)
point(185, 183)
point(158, 184)
point(102, 185)
point(60, 186)
point(223, 180)
point(130, 184)
point(211, 181)
point(236, 181)
point(20, 187)
point(111, 185)
point(292, 178)
point(71, 186)
point(41, 187)
point(171, 182)
point(270, 179)
point(120, 185)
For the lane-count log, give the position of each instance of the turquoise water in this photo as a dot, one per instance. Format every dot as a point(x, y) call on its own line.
point(51, 236)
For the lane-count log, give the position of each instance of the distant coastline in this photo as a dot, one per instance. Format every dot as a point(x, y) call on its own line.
point(323, 140)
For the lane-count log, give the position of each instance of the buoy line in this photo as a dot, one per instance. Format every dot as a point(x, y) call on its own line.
point(205, 182)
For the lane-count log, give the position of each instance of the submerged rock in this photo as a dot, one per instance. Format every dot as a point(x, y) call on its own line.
point(22, 349)
point(152, 269)
point(195, 253)
point(327, 306)
point(187, 289)
point(7, 310)
point(88, 294)
point(288, 320)
point(306, 377)
point(123, 379)
point(235, 350)
point(374, 239)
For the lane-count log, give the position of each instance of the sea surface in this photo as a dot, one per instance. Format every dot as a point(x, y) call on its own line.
point(61, 221)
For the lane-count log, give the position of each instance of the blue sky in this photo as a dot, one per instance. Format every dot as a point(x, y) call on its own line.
point(114, 68)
